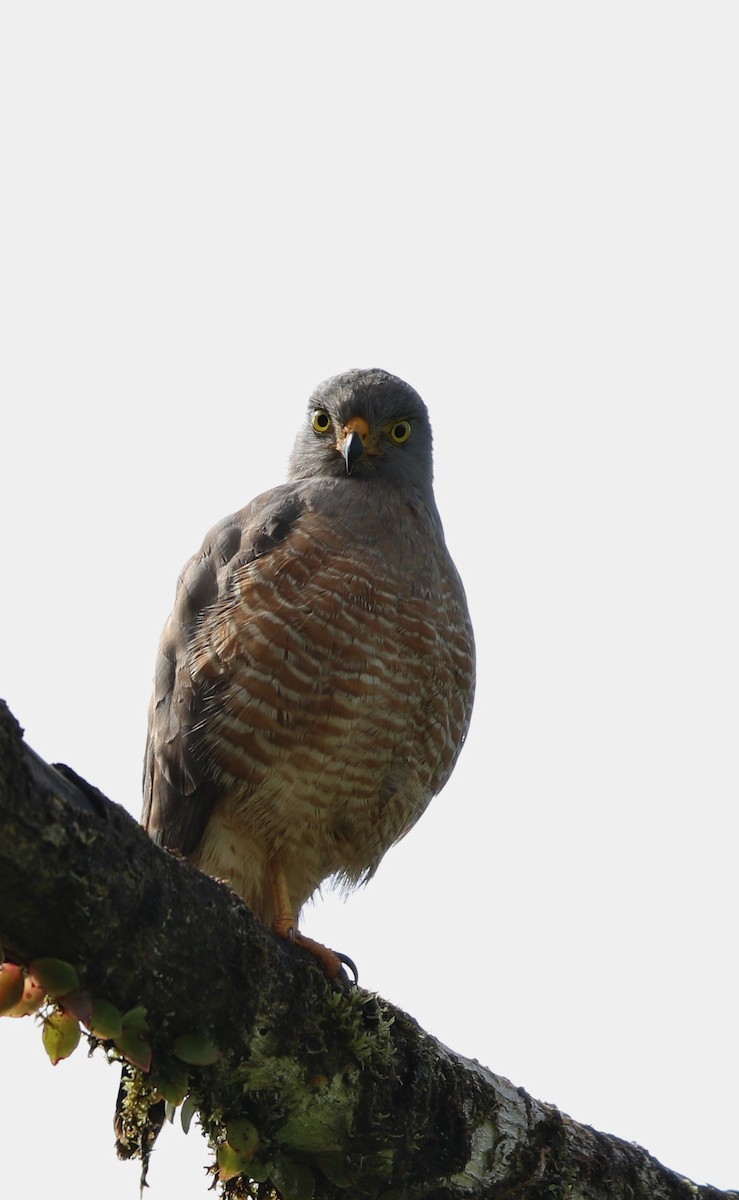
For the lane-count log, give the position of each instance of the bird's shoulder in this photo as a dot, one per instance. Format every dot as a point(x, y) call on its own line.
point(307, 521)
point(234, 541)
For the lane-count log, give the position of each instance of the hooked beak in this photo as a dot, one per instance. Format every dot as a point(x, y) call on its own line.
point(353, 447)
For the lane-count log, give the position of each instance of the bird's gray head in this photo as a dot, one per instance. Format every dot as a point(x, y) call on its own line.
point(365, 424)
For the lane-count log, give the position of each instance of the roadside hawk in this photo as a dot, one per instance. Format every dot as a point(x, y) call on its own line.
point(315, 680)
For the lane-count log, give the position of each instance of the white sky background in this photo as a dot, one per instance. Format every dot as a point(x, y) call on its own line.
point(529, 211)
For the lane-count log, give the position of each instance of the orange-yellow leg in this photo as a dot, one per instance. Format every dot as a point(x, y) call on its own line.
point(285, 925)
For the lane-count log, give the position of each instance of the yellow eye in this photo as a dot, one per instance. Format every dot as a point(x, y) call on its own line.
point(321, 421)
point(400, 431)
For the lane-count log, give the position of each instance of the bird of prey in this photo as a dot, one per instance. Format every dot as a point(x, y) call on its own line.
point(315, 680)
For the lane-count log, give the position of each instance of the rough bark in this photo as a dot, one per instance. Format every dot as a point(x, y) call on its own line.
point(345, 1090)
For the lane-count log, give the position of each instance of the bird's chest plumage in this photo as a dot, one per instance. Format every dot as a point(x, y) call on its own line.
point(338, 669)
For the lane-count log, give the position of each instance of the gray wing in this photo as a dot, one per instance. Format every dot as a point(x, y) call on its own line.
point(180, 782)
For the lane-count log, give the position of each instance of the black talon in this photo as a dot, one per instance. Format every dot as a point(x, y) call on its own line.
point(348, 962)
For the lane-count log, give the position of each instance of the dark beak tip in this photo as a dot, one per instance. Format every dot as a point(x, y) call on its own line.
point(353, 450)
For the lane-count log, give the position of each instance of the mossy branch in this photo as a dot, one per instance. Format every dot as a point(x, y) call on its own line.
point(348, 1096)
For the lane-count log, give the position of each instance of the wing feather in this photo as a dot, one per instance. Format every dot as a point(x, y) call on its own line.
point(180, 781)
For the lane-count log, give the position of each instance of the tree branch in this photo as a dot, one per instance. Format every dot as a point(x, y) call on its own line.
point(338, 1083)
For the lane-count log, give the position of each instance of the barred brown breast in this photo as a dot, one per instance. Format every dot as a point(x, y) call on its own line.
point(315, 680)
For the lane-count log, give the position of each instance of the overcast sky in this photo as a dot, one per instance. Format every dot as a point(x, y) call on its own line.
point(529, 211)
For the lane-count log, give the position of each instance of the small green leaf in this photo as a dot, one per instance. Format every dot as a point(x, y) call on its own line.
point(54, 975)
point(12, 982)
point(61, 1036)
point(306, 1182)
point(260, 1172)
point(197, 1051)
point(105, 1021)
point(229, 1163)
point(31, 1000)
point(79, 1004)
point(243, 1137)
point(135, 1048)
point(172, 1082)
point(188, 1112)
point(294, 1180)
point(135, 1018)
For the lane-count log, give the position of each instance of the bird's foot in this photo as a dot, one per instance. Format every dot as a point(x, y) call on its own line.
point(286, 926)
point(332, 961)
